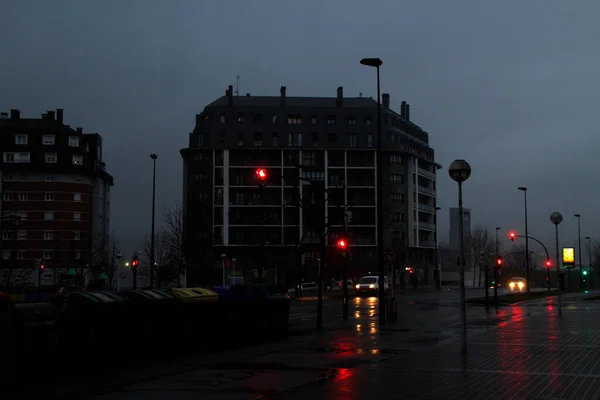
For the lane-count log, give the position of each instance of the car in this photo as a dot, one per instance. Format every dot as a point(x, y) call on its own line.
point(370, 285)
point(338, 285)
point(517, 284)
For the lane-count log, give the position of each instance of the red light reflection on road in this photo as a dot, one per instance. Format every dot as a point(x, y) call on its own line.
point(347, 387)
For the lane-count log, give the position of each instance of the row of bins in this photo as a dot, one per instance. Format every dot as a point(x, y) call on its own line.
point(141, 322)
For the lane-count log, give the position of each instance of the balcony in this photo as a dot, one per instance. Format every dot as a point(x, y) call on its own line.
point(427, 226)
point(426, 190)
point(426, 173)
point(427, 243)
point(425, 207)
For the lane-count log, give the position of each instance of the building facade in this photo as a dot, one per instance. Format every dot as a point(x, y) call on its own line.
point(319, 155)
point(55, 196)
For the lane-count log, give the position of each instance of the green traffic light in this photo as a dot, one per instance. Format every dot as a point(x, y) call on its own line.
point(585, 272)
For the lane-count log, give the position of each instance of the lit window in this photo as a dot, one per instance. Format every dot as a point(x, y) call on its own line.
point(73, 141)
point(51, 158)
point(48, 140)
point(49, 215)
point(77, 197)
point(77, 159)
point(76, 217)
point(21, 139)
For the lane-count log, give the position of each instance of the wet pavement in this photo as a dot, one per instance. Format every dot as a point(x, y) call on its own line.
point(520, 351)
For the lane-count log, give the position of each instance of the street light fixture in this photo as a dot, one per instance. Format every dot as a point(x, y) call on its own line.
point(460, 171)
point(527, 280)
point(376, 63)
point(556, 218)
point(578, 216)
point(589, 239)
point(153, 157)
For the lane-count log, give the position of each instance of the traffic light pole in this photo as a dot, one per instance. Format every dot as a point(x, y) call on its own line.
point(134, 270)
point(487, 287)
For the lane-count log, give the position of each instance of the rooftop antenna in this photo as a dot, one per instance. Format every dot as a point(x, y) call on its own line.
point(237, 86)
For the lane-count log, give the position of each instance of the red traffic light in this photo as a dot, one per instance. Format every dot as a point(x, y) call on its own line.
point(499, 261)
point(42, 266)
point(548, 263)
point(512, 236)
point(135, 262)
point(261, 174)
point(342, 243)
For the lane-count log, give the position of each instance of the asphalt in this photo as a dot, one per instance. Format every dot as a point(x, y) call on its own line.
point(523, 351)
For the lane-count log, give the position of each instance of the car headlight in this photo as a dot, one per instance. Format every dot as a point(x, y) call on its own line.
point(358, 286)
point(512, 285)
point(371, 286)
point(521, 285)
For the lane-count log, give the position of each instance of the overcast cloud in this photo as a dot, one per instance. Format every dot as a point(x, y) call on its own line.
point(510, 86)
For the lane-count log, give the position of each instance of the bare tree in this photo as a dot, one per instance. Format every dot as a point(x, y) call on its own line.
point(481, 244)
point(104, 258)
point(166, 259)
point(173, 232)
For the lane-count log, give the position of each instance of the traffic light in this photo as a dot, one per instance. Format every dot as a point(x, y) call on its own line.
point(548, 263)
point(42, 266)
point(512, 236)
point(585, 272)
point(261, 174)
point(499, 261)
point(135, 261)
point(342, 244)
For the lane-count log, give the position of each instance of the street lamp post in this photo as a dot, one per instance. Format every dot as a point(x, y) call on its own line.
point(578, 216)
point(153, 157)
point(556, 218)
point(438, 268)
point(589, 239)
point(496, 267)
point(527, 276)
point(460, 171)
point(376, 63)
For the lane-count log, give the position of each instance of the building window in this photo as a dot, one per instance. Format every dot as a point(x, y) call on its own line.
point(48, 196)
point(352, 141)
point(309, 158)
point(22, 216)
point(240, 118)
point(240, 139)
point(77, 197)
point(16, 157)
point(48, 254)
point(314, 120)
point(370, 140)
point(351, 119)
point(275, 139)
point(398, 197)
point(200, 140)
point(77, 159)
point(77, 255)
point(294, 139)
point(6, 235)
point(48, 235)
point(7, 196)
point(21, 255)
point(49, 215)
point(257, 118)
point(73, 141)
point(76, 235)
point(397, 179)
point(6, 254)
point(332, 137)
point(22, 235)
point(315, 139)
point(331, 120)
point(76, 217)
point(222, 136)
point(48, 140)
point(8, 178)
point(369, 120)
point(274, 118)
point(20, 138)
point(258, 142)
point(51, 158)
point(294, 119)
point(222, 118)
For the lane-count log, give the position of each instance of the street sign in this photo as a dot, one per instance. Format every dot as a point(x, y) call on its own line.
point(568, 254)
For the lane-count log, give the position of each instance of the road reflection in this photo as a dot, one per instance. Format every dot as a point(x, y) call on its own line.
point(365, 315)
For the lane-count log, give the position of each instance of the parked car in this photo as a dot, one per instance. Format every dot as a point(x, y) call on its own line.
point(339, 285)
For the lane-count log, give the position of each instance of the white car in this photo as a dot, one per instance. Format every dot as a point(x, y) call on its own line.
point(370, 285)
point(517, 284)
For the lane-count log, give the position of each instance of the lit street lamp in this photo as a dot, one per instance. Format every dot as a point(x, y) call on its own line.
point(460, 171)
point(578, 216)
point(556, 218)
point(153, 157)
point(527, 258)
point(376, 63)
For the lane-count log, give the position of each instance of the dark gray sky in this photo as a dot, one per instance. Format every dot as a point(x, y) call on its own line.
point(510, 86)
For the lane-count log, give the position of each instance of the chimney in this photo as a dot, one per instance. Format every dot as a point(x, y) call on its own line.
point(79, 130)
point(229, 94)
point(386, 100)
point(407, 111)
point(59, 115)
point(51, 115)
point(15, 114)
point(340, 97)
point(282, 95)
point(403, 110)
